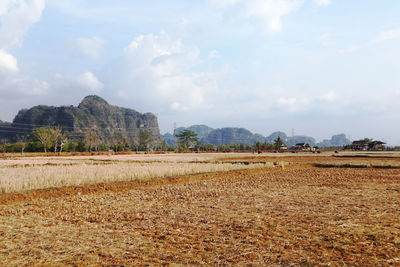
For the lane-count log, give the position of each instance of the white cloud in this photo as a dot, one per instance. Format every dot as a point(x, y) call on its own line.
point(293, 104)
point(84, 83)
point(386, 36)
point(268, 12)
point(22, 87)
point(5, 5)
point(297, 103)
point(32, 86)
point(158, 70)
point(19, 17)
point(381, 37)
point(323, 2)
point(89, 81)
point(213, 54)
point(179, 106)
point(329, 97)
point(16, 17)
point(287, 101)
point(89, 47)
point(8, 63)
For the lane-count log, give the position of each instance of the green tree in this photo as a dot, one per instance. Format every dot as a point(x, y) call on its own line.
point(63, 142)
point(3, 145)
point(366, 140)
point(259, 147)
point(73, 146)
point(56, 136)
point(82, 146)
point(44, 136)
point(145, 138)
point(187, 139)
point(164, 146)
point(33, 146)
point(103, 147)
point(22, 141)
point(224, 148)
point(92, 139)
point(278, 142)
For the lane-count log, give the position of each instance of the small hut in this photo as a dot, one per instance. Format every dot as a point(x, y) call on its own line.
point(376, 145)
point(302, 146)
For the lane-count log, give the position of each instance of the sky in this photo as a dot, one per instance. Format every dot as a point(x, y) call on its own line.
point(320, 67)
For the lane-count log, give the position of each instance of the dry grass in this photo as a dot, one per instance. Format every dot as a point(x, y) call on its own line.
point(300, 215)
point(168, 157)
point(33, 177)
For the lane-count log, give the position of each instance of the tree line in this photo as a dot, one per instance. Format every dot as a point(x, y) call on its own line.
point(187, 140)
point(55, 139)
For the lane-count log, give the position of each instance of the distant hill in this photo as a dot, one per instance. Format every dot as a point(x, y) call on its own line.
point(301, 139)
point(5, 131)
point(169, 139)
point(208, 135)
point(272, 137)
point(229, 136)
point(257, 138)
point(112, 124)
point(201, 130)
point(336, 141)
point(290, 141)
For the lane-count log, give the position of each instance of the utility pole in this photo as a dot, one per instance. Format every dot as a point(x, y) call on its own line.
point(174, 133)
point(293, 141)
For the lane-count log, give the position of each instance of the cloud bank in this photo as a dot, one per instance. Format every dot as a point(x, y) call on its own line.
point(16, 17)
point(158, 70)
point(268, 13)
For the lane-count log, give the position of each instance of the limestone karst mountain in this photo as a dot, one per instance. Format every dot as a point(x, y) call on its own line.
point(111, 124)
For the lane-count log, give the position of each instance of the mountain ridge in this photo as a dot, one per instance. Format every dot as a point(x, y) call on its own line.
point(111, 123)
point(236, 135)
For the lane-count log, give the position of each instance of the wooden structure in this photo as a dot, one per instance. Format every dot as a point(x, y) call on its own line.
point(362, 145)
point(302, 146)
point(376, 145)
point(282, 147)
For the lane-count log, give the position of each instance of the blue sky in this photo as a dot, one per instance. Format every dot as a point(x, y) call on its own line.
point(321, 67)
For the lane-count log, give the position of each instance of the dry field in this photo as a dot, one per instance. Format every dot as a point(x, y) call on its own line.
point(307, 210)
point(25, 174)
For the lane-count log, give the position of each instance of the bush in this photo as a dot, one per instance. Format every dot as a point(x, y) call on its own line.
point(34, 146)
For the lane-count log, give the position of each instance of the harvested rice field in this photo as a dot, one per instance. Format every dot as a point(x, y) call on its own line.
point(218, 209)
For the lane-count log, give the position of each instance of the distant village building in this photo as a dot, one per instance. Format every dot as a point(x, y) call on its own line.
point(302, 146)
point(362, 145)
point(282, 147)
point(376, 145)
point(359, 145)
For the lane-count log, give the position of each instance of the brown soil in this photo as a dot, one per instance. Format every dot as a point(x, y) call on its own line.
point(299, 215)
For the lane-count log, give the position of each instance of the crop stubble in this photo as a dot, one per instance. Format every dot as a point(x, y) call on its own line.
point(298, 215)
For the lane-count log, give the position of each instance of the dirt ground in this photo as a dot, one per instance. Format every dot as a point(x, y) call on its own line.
point(293, 215)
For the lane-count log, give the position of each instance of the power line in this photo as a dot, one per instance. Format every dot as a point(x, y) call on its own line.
point(33, 126)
